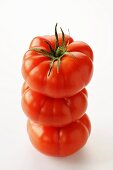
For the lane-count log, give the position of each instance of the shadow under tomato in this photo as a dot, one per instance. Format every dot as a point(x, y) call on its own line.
point(80, 157)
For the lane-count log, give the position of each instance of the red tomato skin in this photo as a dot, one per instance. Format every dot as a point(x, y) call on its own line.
point(80, 46)
point(75, 73)
point(58, 141)
point(52, 111)
point(85, 120)
point(40, 42)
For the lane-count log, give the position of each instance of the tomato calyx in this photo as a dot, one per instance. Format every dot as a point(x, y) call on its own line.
point(60, 50)
point(54, 54)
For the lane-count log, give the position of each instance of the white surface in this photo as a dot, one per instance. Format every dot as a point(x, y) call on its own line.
point(88, 20)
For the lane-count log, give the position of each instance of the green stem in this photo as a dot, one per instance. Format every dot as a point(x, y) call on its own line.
point(42, 51)
point(51, 65)
point(63, 38)
point(56, 35)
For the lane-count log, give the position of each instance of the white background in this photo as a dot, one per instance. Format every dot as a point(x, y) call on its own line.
point(88, 20)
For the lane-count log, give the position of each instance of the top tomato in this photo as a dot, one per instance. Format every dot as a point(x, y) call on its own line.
point(57, 66)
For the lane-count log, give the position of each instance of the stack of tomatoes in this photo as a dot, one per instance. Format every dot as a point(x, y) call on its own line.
point(56, 70)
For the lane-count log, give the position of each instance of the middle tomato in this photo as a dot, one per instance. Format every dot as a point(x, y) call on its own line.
point(53, 111)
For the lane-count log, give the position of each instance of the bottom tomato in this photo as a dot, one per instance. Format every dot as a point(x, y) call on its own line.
point(59, 141)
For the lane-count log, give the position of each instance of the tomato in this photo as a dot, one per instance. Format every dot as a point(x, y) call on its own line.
point(52, 111)
point(59, 141)
point(57, 66)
